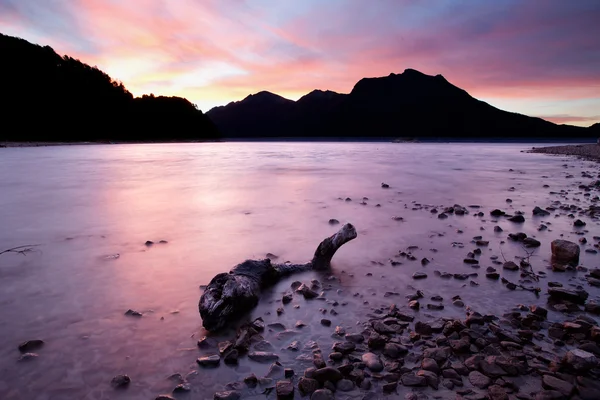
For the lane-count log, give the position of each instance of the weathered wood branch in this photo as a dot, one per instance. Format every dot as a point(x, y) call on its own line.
point(230, 295)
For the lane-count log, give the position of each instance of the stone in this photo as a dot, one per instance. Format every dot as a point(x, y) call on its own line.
point(120, 381)
point(429, 364)
point(209, 361)
point(419, 275)
point(227, 395)
point(496, 392)
point(262, 356)
point(284, 390)
point(182, 388)
point(479, 380)
point(575, 296)
point(344, 347)
point(372, 362)
point(410, 379)
point(394, 350)
point(307, 385)
point(327, 374)
point(345, 385)
point(322, 394)
point(511, 266)
point(579, 360)
point(564, 251)
point(552, 383)
point(30, 345)
point(531, 242)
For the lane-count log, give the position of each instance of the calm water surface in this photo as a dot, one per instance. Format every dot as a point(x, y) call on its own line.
point(220, 203)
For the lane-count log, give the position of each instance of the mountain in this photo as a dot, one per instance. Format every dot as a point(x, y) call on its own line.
point(46, 97)
point(595, 128)
point(410, 104)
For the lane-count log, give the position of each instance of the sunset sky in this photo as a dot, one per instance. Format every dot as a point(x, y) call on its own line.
point(537, 57)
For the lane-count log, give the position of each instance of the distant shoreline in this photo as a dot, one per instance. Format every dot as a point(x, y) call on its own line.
point(586, 151)
point(551, 149)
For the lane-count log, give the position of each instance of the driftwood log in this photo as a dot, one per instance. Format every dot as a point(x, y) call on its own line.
point(228, 296)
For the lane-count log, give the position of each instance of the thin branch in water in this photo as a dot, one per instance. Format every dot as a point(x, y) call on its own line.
point(28, 248)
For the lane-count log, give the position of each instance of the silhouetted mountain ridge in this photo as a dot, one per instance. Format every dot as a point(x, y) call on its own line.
point(46, 97)
point(410, 104)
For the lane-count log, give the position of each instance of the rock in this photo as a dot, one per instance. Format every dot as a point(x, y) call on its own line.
point(419, 275)
point(333, 221)
point(579, 360)
point(251, 380)
point(307, 292)
point(182, 388)
point(592, 307)
point(540, 212)
point(497, 213)
point(227, 395)
point(496, 392)
point(164, 397)
point(411, 379)
point(327, 374)
point(231, 358)
point(307, 385)
point(511, 266)
point(552, 383)
point(133, 313)
point(262, 356)
point(322, 394)
point(345, 385)
point(498, 229)
point(531, 242)
point(429, 364)
point(287, 298)
point(393, 350)
point(479, 380)
point(344, 347)
point(385, 185)
point(30, 345)
point(120, 381)
point(284, 390)
point(549, 395)
point(575, 296)
point(579, 223)
point(492, 275)
point(372, 362)
point(565, 252)
point(519, 219)
point(209, 361)
point(539, 311)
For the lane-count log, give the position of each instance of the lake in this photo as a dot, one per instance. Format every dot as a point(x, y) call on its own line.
point(90, 210)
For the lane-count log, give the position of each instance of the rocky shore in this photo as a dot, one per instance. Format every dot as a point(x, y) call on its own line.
point(402, 350)
point(586, 151)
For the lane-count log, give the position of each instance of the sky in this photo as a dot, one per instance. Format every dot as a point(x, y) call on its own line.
point(536, 57)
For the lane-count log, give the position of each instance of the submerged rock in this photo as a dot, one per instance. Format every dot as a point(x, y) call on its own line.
point(564, 251)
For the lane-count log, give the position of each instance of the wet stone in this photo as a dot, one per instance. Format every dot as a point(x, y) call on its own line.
point(262, 356)
point(552, 383)
point(307, 385)
point(31, 345)
point(322, 394)
point(284, 390)
point(209, 361)
point(120, 381)
point(227, 395)
point(479, 380)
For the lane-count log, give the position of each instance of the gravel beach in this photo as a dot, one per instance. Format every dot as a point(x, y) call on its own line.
point(587, 151)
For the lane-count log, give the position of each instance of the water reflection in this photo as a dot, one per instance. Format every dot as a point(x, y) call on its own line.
point(216, 205)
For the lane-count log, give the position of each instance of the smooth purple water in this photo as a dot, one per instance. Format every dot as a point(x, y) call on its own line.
point(220, 203)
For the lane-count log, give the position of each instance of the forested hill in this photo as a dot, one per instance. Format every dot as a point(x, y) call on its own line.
point(46, 97)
